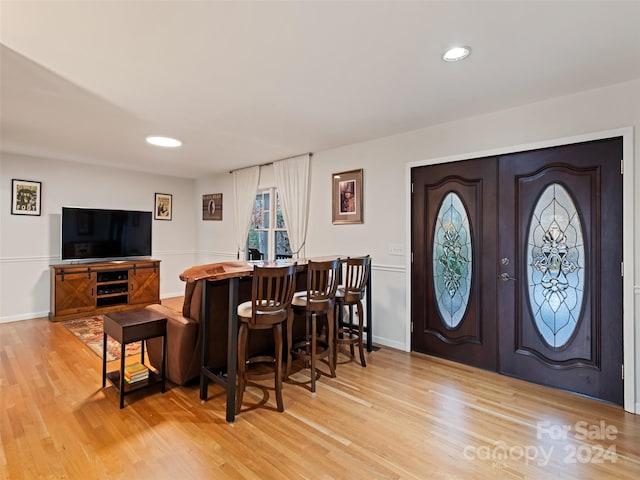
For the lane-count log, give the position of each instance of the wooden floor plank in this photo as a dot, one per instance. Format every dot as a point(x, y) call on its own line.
point(404, 416)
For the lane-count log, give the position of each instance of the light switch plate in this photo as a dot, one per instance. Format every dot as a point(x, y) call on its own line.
point(396, 249)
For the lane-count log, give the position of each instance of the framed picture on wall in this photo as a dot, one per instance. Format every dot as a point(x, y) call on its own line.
point(162, 210)
point(347, 198)
point(25, 197)
point(212, 206)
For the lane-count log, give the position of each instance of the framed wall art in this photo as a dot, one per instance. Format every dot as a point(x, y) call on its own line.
point(347, 197)
point(162, 210)
point(25, 197)
point(212, 206)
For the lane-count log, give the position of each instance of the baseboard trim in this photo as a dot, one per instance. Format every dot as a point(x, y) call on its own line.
point(385, 342)
point(24, 316)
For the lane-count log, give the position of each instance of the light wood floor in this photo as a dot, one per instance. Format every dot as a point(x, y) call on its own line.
point(405, 416)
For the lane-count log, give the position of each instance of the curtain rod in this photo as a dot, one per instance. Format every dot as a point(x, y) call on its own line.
point(271, 162)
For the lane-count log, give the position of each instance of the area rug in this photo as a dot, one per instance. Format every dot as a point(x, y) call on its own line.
point(90, 332)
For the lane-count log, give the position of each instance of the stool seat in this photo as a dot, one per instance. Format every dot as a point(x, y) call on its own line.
point(245, 309)
point(299, 299)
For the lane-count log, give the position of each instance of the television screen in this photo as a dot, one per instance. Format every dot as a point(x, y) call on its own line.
point(94, 233)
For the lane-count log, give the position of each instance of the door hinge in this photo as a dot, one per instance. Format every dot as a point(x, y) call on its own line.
point(621, 365)
point(411, 187)
point(622, 269)
point(411, 327)
point(621, 167)
point(411, 257)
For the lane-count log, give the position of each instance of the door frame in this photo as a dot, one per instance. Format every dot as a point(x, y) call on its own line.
point(629, 328)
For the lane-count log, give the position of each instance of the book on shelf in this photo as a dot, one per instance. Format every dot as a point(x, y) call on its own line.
point(135, 368)
point(135, 372)
point(131, 381)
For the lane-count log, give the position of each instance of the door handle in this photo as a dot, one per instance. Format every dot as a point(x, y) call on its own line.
point(505, 277)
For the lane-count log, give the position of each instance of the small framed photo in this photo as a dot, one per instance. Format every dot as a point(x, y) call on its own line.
point(347, 197)
point(162, 210)
point(212, 206)
point(25, 197)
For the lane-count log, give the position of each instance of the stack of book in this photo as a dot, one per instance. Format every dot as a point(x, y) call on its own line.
point(135, 372)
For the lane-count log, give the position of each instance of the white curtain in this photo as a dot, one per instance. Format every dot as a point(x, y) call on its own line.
point(245, 187)
point(292, 182)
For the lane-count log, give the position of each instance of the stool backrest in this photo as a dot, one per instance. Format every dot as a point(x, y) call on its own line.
point(357, 275)
point(322, 283)
point(272, 290)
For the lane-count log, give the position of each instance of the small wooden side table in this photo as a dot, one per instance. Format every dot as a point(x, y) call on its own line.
point(128, 327)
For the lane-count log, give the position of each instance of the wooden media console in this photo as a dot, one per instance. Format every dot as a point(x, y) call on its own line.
point(97, 288)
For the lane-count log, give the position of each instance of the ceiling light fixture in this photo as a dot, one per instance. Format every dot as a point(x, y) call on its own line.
point(456, 54)
point(166, 142)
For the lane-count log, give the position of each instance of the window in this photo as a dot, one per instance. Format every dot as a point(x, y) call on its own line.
point(268, 233)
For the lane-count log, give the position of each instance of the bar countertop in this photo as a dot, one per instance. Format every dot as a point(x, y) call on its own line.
point(217, 271)
point(239, 268)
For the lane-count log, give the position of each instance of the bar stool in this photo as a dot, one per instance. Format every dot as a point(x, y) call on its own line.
point(348, 295)
point(272, 290)
point(317, 300)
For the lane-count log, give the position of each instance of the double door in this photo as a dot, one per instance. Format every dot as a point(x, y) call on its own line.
point(517, 265)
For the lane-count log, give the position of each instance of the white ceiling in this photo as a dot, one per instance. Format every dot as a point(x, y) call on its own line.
point(243, 83)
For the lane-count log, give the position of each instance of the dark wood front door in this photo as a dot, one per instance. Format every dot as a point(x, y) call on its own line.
point(545, 288)
point(454, 205)
point(561, 223)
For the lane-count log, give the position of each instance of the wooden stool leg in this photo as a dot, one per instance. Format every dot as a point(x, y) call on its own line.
point(331, 344)
point(277, 337)
point(363, 362)
point(337, 318)
point(313, 342)
point(307, 336)
point(351, 327)
point(289, 344)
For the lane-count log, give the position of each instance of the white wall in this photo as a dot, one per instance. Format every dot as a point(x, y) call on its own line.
point(29, 244)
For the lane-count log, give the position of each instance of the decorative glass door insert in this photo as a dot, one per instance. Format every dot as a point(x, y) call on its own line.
point(556, 267)
point(452, 260)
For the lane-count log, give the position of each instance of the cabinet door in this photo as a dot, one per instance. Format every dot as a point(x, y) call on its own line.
point(144, 284)
point(75, 293)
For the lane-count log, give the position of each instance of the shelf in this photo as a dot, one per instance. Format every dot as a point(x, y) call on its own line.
point(114, 378)
point(115, 299)
point(113, 276)
point(113, 282)
point(112, 289)
point(114, 294)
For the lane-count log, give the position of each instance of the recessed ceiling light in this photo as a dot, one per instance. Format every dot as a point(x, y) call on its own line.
point(456, 54)
point(164, 141)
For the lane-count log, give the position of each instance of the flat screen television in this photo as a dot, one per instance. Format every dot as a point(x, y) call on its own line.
point(91, 233)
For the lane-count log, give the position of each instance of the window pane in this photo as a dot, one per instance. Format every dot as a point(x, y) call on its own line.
point(259, 239)
point(279, 216)
point(257, 218)
point(262, 230)
point(282, 244)
point(266, 207)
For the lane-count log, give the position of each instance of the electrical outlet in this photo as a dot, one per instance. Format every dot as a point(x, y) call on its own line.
point(396, 249)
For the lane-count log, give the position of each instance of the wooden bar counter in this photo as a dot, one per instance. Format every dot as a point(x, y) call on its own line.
point(226, 284)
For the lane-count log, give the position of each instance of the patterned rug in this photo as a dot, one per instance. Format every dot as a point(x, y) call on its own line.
point(89, 331)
